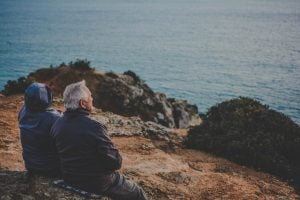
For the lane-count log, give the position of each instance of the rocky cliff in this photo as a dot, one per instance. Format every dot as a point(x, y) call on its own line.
point(153, 156)
point(125, 94)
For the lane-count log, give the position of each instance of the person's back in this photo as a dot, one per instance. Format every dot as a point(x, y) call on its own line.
point(87, 154)
point(35, 122)
point(89, 159)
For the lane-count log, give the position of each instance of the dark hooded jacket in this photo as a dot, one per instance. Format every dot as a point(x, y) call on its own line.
point(35, 122)
point(88, 156)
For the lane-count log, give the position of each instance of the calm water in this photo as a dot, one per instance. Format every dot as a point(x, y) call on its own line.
point(205, 51)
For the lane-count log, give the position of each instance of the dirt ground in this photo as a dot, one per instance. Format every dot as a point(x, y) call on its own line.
point(163, 170)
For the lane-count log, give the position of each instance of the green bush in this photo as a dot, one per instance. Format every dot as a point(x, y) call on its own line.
point(135, 77)
point(63, 64)
point(80, 65)
point(44, 73)
point(111, 74)
point(247, 132)
point(16, 86)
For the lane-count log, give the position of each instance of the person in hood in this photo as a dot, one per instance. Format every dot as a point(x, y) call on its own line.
point(35, 121)
point(89, 159)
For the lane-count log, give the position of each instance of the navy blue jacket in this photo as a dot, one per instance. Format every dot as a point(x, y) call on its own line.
point(86, 151)
point(35, 122)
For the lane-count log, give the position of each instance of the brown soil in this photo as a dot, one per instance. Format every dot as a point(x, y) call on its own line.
point(10, 147)
point(163, 170)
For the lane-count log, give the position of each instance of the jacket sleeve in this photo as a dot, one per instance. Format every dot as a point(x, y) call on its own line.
point(107, 152)
point(21, 113)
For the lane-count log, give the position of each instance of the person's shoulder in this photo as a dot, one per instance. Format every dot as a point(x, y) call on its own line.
point(96, 124)
point(22, 112)
point(54, 113)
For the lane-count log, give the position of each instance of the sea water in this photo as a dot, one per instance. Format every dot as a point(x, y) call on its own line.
point(205, 51)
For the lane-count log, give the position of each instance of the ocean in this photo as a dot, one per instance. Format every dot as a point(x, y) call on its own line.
point(204, 51)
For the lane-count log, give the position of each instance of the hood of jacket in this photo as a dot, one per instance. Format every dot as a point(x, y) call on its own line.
point(38, 97)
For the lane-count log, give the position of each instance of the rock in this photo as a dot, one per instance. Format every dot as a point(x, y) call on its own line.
point(47, 194)
point(6, 197)
point(185, 115)
point(125, 94)
point(134, 126)
point(175, 177)
point(29, 197)
point(38, 188)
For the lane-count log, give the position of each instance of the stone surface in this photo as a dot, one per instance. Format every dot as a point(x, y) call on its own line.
point(123, 94)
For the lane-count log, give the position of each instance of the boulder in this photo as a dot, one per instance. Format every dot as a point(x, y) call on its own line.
point(125, 94)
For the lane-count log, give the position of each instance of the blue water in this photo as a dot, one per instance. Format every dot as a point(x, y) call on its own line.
point(205, 51)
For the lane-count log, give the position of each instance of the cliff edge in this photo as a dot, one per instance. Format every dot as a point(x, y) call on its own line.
point(124, 94)
point(153, 156)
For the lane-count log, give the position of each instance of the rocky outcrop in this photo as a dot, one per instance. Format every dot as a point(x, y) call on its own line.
point(125, 94)
point(18, 185)
point(153, 156)
point(134, 126)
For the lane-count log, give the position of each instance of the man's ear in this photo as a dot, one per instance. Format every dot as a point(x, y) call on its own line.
point(81, 104)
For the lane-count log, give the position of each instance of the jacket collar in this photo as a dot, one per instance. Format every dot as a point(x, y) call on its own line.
point(78, 111)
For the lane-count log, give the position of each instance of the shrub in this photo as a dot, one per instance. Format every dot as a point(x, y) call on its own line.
point(135, 77)
point(62, 65)
point(16, 86)
point(111, 74)
point(249, 133)
point(81, 65)
point(44, 75)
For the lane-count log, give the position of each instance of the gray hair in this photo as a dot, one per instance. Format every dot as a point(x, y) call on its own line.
point(73, 94)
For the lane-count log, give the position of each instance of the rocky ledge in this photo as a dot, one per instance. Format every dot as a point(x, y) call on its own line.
point(153, 156)
point(125, 94)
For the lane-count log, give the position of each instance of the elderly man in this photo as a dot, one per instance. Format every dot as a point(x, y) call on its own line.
point(89, 159)
point(35, 122)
